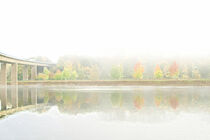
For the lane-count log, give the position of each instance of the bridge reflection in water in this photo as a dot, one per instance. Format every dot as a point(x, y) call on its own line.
point(142, 100)
point(14, 98)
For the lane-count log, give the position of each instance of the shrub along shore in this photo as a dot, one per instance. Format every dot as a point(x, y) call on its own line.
point(201, 82)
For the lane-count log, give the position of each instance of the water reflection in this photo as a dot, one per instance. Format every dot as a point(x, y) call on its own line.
point(106, 99)
point(119, 113)
point(3, 96)
point(14, 99)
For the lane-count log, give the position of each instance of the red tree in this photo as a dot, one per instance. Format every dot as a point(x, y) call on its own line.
point(174, 70)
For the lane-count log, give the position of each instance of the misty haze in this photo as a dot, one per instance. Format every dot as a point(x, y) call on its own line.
point(104, 70)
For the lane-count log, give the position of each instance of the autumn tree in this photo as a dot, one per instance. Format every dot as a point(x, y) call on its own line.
point(158, 72)
point(138, 71)
point(174, 71)
point(58, 75)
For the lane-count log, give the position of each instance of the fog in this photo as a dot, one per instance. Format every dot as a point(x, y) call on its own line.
point(105, 28)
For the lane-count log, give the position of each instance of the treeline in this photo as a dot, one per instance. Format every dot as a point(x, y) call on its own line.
point(86, 68)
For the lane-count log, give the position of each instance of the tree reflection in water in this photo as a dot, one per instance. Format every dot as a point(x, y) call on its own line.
point(72, 101)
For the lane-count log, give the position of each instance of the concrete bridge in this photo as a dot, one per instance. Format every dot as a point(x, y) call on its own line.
point(26, 64)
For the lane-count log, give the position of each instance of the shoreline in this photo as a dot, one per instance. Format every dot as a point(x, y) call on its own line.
point(118, 82)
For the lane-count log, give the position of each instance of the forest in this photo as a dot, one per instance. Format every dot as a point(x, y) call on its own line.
point(122, 68)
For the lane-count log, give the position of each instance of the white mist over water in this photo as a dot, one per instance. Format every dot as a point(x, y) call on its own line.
point(55, 125)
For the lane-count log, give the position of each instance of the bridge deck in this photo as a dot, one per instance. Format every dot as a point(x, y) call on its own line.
point(10, 59)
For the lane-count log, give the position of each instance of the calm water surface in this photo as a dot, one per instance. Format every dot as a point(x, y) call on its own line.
point(104, 113)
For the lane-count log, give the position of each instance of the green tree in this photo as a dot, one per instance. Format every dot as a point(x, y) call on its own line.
point(46, 71)
point(66, 73)
point(73, 75)
point(45, 75)
point(69, 74)
point(117, 72)
point(58, 75)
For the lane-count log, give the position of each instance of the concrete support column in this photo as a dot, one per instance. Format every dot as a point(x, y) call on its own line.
point(3, 74)
point(25, 72)
point(34, 73)
point(51, 72)
point(14, 74)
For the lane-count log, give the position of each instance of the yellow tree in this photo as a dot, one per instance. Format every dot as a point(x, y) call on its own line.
point(158, 72)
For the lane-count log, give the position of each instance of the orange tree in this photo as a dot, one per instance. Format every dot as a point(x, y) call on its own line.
point(138, 71)
point(158, 72)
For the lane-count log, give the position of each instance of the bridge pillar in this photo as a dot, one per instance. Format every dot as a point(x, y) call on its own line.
point(25, 72)
point(14, 74)
point(34, 72)
point(3, 74)
point(3, 89)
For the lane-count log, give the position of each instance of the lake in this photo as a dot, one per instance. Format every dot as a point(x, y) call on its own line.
point(105, 113)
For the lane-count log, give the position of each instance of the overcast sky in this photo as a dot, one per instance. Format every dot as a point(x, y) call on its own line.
point(54, 28)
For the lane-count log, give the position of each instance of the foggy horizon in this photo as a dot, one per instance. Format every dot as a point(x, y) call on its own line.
point(138, 55)
point(109, 28)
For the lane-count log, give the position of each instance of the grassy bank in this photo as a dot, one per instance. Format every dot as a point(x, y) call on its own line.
point(202, 82)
